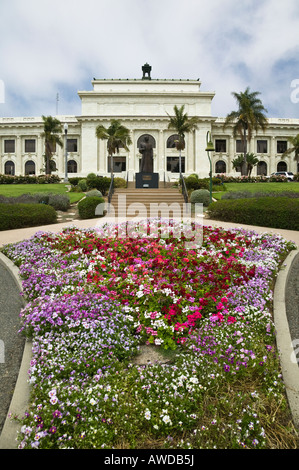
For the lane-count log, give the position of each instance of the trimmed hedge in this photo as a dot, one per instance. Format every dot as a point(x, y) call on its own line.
point(87, 207)
point(201, 196)
point(193, 183)
point(60, 202)
point(101, 183)
point(264, 212)
point(29, 179)
point(13, 216)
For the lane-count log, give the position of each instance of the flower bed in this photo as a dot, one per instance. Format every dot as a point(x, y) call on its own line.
point(94, 297)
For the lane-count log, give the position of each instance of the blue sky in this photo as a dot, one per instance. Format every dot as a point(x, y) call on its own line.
point(58, 46)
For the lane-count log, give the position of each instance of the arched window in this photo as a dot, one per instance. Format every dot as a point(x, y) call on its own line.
point(72, 166)
point(282, 166)
point(171, 141)
point(9, 168)
point(262, 168)
point(151, 140)
point(30, 168)
point(220, 167)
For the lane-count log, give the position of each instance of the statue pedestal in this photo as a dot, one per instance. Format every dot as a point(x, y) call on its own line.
point(147, 180)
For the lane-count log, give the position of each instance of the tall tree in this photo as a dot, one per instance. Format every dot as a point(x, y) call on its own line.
point(252, 161)
point(117, 136)
point(52, 131)
point(250, 116)
point(294, 141)
point(182, 124)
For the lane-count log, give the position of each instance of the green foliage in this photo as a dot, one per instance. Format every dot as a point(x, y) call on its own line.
point(275, 212)
point(193, 183)
point(13, 216)
point(101, 183)
point(83, 185)
point(201, 196)
point(119, 182)
point(57, 201)
point(29, 179)
point(94, 193)
point(87, 207)
point(74, 180)
point(248, 194)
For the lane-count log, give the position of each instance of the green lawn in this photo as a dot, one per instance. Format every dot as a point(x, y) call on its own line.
point(259, 187)
point(13, 190)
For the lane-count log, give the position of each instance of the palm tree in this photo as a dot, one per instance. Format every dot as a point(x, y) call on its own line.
point(249, 117)
point(182, 124)
point(252, 161)
point(116, 135)
point(52, 129)
point(237, 162)
point(294, 141)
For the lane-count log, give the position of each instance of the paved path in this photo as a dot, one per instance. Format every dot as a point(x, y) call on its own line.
point(11, 303)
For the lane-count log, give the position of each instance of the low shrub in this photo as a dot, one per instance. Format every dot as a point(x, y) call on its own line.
point(83, 185)
point(201, 196)
point(282, 212)
point(94, 193)
point(243, 179)
point(259, 194)
point(87, 207)
point(13, 216)
point(29, 179)
point(120, 182)
point(74, 180)
point(76, 189)
point(58, 201)
point(101, 183)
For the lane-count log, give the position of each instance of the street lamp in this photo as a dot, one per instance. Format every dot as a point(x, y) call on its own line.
point(210, 148)
point(65, 152)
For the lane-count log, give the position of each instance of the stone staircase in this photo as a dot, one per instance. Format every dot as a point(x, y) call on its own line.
point(147, 202)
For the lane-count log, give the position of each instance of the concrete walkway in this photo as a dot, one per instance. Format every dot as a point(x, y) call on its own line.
point(15, 353)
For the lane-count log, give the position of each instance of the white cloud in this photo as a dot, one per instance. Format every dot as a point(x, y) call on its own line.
point(52, 46)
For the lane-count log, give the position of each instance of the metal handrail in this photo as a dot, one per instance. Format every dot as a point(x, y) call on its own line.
point(111, 189)
point(184, 189)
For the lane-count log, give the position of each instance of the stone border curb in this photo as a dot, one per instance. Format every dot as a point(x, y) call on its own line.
point(290, 369)
point(21, 395)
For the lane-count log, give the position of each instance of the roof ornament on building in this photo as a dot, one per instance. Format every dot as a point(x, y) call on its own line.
point(146, 69)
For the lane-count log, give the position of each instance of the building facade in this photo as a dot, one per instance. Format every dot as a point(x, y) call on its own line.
point(143, 106)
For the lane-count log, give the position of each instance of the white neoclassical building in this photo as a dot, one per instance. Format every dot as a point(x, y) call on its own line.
point(143, 105)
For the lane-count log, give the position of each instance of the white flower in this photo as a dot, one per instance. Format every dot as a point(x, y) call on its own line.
point(147, 414)
point(194, 380)
point(166, 419)
point(92, 401)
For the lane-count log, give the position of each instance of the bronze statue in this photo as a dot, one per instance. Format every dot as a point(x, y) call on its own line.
point(146, 150)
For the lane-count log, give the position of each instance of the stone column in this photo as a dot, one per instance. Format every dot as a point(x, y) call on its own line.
point(20, 170)
point(272, 156)
point(231, 154)
point(40, 163)
point(190, 157)
point(160, 154)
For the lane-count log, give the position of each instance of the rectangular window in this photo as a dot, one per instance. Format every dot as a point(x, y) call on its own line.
point(29, 145)
point(72, 145)
point(173, 164)
point(9, 146)
point(119, 164)
point(261, 146)
point(220, 145)
point(282, 146)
